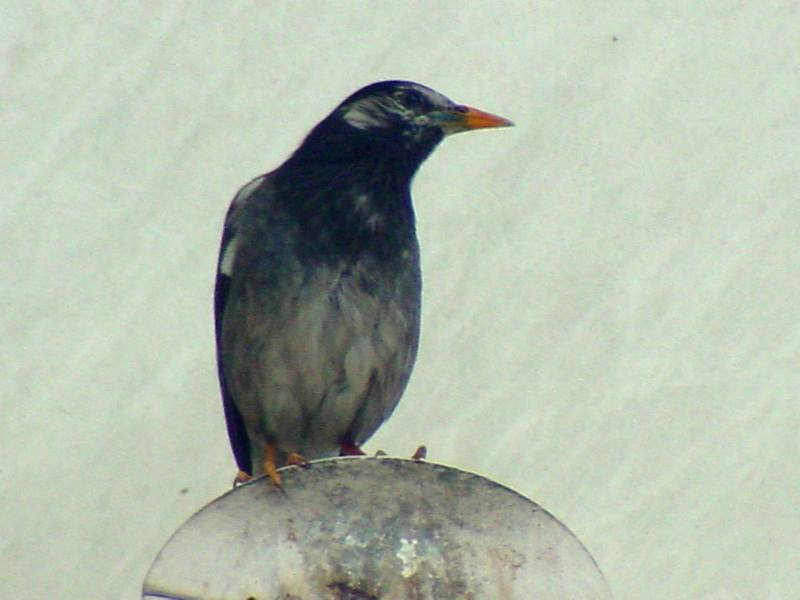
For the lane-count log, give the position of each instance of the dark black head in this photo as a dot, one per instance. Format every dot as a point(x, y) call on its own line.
point(399, 121)
point(348, 185)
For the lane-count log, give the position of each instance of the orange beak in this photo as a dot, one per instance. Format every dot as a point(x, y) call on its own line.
point(465, 118)
point(478, 119)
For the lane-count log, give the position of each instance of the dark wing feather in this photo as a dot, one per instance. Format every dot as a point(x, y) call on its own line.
point(237, 433)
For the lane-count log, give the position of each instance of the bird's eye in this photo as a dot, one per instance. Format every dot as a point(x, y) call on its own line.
point(410, 98)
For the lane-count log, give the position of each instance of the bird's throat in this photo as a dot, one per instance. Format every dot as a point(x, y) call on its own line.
point(346, 213)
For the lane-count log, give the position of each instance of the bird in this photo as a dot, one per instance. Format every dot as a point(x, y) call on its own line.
point(318, 281)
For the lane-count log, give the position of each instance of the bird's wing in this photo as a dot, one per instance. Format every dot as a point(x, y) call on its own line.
point(237, 433)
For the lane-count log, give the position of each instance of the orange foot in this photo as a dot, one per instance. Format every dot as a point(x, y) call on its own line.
point(270, 466)
point(350, 449)
point(297, 460)
point(420, 453)
point(241, 477)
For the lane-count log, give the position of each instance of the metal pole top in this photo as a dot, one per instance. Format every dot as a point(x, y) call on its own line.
point(374, 528)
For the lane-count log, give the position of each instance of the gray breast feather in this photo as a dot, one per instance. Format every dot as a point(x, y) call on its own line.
point(314, 358)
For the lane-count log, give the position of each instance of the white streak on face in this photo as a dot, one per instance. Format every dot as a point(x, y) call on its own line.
point(382, 111)
point(372, 112)
point(226, 264)
point(434, 97)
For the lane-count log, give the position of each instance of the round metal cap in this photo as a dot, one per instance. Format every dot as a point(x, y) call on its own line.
point(374, 528)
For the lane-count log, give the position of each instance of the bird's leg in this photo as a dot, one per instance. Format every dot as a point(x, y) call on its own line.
point(420, 453)
point(270, 466)
point(297, 460)
point(348, 448)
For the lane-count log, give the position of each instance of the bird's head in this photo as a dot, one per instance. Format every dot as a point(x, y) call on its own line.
point(395, 118)
point(410, 110)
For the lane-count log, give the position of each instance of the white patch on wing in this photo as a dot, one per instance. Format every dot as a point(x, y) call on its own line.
point(247, 190)
point(226, 264)
point(234, 215)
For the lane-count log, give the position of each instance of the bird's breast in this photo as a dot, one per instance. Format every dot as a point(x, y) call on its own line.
point(322, 342)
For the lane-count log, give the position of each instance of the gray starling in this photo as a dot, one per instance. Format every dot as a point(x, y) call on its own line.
point(317, 298)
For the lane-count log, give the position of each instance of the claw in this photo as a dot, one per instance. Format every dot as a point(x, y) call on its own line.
point(241, 478)
point(350, 449)
point(270, 467)
point(420, 453)
point(297, 460)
